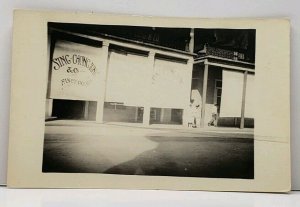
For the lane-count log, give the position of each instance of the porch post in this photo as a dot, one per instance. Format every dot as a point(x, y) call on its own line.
point(136, 114)
point(242, 124)
point(204, 90)
point(86, 110)
point(49, 101)
point(146, 114)
point(162, 115)
point(191, 43)
point(102, 85)
point(49, 107)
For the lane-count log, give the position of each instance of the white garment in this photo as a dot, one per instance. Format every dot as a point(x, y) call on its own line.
point(196, 103)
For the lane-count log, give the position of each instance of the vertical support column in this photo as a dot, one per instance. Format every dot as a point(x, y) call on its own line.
point(49, 102)
point(204, 91)
point(162, 115)
point(49, 106)
point(191, 43)
point(86, 110)
point(103, 77)
point(186, 116)
point(242, 124)
point(136, 114)
point(146, 115)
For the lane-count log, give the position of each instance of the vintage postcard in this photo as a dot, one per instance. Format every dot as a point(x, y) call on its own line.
point(111, 101)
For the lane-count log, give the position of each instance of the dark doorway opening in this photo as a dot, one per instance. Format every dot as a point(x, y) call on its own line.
point(74, 109)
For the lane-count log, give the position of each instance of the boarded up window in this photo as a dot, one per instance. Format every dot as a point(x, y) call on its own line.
point(134, 81)
point(128, 79)
point(171, 84)
point(232, 92)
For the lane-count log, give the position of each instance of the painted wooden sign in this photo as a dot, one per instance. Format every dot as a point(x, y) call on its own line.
point(75, 71)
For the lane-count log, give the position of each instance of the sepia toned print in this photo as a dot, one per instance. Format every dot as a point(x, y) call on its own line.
point(152, 101)
point(118, 101)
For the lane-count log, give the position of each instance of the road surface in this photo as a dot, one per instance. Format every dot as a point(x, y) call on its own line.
point(139, 151)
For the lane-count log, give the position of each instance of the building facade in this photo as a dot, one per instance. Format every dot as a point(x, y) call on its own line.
point(106, 78)
point(226, 86)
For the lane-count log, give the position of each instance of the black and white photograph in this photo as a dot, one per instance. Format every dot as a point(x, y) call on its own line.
point(127, 102)
point(150, 101)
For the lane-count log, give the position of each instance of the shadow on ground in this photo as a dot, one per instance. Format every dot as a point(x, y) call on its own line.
point(172, 156)
point(191, 157)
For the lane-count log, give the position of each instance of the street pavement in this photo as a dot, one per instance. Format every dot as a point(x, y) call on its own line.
point(85, 147)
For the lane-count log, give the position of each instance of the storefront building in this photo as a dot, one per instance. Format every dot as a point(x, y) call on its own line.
point(105, 78)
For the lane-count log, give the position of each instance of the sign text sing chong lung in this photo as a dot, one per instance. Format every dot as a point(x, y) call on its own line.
point(73, 59)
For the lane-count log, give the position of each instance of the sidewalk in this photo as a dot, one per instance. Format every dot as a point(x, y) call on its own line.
point(155, 128)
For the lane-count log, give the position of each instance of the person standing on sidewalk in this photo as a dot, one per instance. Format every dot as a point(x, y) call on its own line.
point(196, 105)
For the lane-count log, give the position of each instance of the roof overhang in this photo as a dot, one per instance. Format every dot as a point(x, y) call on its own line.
point(226, 63)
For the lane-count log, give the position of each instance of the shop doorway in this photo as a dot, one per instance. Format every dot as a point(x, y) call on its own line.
point(74, 109)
